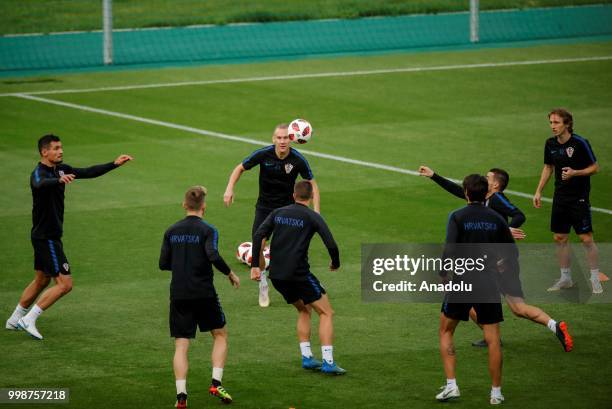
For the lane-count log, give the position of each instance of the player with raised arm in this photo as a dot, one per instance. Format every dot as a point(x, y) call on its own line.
point(572, 160)
point(48, 183)
point(189, 250)
point(279, 166)
point(292, 228)
point(496, 199)
point(509, 283)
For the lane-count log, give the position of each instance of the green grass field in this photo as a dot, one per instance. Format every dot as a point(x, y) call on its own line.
point(35, 16)
point(108, 340)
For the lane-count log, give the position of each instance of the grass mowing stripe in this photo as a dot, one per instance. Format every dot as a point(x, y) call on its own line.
point(249, 141)
point(316, 75)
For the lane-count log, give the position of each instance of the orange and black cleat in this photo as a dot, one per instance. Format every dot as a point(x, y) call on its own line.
point(181, 401)
point(221, 393)
point(564, 336)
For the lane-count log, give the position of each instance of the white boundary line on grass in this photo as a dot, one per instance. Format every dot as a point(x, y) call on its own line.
point(248, 140)
point(316, 75)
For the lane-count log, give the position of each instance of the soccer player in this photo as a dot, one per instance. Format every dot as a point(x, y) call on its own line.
point(292, 228)
point(279, 166)
point(510, 282)
point(498, 181)
point(48, 183)
point(189, 250)
point(572, 160)
point(474, 223)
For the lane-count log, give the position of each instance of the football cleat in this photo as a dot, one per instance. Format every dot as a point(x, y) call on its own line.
point(332, 369)
point(597, 288)
point(221, 393)
point(448, 393)
point(310, 363)
point(496, 400)
point(12, 325)
point(181, 400)
point(564, 336)
point(30, 328)
point(561, 284)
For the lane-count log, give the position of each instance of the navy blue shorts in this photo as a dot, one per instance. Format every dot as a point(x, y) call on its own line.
point(566, 215)
point(309, 290)
point(487, 313)
point(49, 257)
point(187, 315)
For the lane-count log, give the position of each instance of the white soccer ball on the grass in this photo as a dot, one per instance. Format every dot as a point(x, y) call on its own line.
point(300, 131)
point(243, 248)
point(248, 256)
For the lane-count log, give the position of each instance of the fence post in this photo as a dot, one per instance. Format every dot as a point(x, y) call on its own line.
point(474, 23)
point(107, 15)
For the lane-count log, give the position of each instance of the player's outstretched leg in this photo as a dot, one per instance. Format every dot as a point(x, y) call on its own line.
point(218, 357)
point(523, 310)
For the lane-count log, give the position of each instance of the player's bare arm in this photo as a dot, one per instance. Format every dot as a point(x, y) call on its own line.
point(228, 196)
point(547, 171)
point(316, 197)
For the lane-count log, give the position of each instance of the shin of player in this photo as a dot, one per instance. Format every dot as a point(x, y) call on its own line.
point(189, 250)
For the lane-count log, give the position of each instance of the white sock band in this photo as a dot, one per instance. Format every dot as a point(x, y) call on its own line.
point(181, 386)
point(305, 349)
point(217, 374)
point(33, 314)
point(552, 325)
point(328, 353)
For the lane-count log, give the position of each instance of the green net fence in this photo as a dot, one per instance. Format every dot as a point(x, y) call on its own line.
point(22, 53)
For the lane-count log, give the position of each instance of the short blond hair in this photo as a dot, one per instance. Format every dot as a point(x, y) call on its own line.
point(195, 197)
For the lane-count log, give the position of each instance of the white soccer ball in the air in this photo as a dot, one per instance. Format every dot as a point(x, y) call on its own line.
point(300, 131)
point(243, 248)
